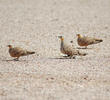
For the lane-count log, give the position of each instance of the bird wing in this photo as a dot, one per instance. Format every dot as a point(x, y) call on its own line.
point(88, 40)
point(19, 51)
point(69, 50)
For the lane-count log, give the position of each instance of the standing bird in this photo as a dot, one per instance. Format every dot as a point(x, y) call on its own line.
point(17, 52)
point(69, 50)
point(85, 41)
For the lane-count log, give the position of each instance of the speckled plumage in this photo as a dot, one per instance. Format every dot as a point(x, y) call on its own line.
point(85, 41)
point(17, 52)
point(69, 50)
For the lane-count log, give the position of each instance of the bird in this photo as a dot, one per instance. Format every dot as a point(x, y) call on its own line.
point(70, 51)
point(85, 40)
point(17, 52)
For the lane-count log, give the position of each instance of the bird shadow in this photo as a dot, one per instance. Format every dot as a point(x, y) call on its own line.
point(64, 57)
point(83, 48)
point(13, 60)
point(9, 60)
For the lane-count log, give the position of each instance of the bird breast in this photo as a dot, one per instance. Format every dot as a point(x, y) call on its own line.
point(13, 52)
point(82, 42)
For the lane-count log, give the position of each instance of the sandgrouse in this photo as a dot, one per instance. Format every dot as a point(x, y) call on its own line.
point(69, 50)
point(85, 41)
point(17, 52)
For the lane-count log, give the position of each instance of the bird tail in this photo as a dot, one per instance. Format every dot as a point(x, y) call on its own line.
point(98, 40)
point(29, 52)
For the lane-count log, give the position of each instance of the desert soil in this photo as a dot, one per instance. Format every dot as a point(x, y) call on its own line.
point(35, 25)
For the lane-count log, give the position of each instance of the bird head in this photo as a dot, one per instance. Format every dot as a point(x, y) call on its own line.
point(10, 46)
point(61, 37)
point(78, 35)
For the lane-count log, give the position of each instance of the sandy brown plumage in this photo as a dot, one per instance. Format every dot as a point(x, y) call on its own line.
point(17, 52)
point(85, 41)
point(69, 50)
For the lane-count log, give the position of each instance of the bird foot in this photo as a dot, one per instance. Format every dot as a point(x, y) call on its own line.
point(73, 57)
point(16, 59)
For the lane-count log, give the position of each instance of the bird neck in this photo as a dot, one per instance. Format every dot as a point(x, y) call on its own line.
point(61, 42)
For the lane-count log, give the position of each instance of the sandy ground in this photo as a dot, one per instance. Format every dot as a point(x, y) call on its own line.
point(35, 25)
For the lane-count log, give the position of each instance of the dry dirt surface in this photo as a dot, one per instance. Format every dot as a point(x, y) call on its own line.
point(35, 25)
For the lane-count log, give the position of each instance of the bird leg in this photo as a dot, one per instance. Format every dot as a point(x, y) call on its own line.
point(73, 57)
point(16, 59)
point(85, 47)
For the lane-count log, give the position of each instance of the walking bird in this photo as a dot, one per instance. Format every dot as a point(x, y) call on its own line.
point(85, 41)
point(17, 52)
point(69, 50)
